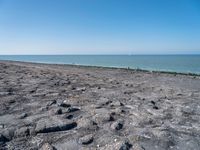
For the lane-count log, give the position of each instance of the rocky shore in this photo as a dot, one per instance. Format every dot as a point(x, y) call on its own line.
point(66, 107)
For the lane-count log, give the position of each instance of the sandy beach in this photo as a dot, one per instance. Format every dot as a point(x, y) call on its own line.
point(66, 107)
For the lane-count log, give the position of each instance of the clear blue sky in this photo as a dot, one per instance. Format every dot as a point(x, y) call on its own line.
point(99, 26)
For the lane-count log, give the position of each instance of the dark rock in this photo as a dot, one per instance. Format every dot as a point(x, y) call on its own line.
point(12, 101)
point(64, 104)
point(10, 91)
point(73, 88)
point(86, 139)
point(3, 139)
point(53, 125)
point(155, 107)
point(22, 116)
point(128, 92)
point(58, 111)
point(117, 125)
point(125, 146)
point(72, 109)
point(52, 102)
point(32, 91)
point(111, 118)
point(153, 102)
point(69, 116)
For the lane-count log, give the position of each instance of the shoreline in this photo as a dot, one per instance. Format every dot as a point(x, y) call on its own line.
point(105, 67)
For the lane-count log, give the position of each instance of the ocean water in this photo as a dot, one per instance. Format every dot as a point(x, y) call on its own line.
point(175, 63)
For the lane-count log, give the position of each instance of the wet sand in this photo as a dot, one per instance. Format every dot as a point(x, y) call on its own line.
point(74, 107)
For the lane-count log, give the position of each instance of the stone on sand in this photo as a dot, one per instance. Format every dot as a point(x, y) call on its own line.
point(87, 139)
point(54, 124)
point(117, 125)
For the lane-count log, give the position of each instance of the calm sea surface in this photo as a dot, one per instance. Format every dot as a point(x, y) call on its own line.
point(177, 63)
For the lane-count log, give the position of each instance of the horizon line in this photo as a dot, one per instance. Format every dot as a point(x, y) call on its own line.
point(97, 54)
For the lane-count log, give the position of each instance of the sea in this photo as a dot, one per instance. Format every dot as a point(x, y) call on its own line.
point(172, 63)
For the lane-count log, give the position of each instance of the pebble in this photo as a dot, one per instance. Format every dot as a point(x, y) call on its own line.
point(72, 109)
point(188, 110)
point(87, 124)
point(65, 104)
point(69, 116)
point(58, 111)
point(12, 101)
point(155, 107)
point(52, 102)
point(87, 139)
point(117, 125)
point(125, 146)
point(23, 115)
point(153, 102)
point(116, 104)
point(101, 118)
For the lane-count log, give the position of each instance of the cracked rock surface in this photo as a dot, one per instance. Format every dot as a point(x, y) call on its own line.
point(61, 107)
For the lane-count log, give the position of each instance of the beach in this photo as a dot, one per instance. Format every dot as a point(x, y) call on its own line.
point(49, 106)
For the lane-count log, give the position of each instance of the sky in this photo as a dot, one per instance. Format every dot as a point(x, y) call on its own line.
point(99, 27)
